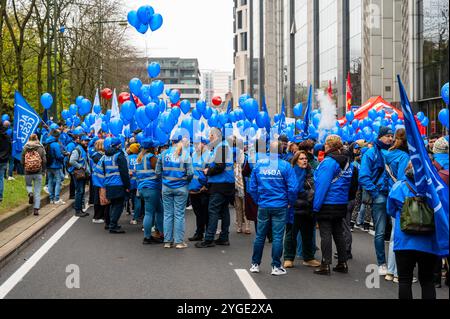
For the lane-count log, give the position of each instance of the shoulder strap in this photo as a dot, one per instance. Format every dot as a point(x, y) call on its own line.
point(411, 189)
point(437, 165)
point(391, 174)
point(341, 173)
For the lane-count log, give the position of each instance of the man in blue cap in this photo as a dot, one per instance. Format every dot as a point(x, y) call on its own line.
point(374, 182)
point(117, 182)
point(79, 161)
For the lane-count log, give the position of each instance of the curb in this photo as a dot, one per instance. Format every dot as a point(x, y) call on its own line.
point(14, 247)
point(25, 210)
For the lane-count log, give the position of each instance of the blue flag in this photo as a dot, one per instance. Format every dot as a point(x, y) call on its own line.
point(307, 118)
point(26, 121)
point(428, 182)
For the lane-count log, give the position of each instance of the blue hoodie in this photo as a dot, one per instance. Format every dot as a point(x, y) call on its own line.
point(372, 166)
point(56, 153)
point(273, 184)
point(332, 187)
point(397, 160)
point(403, 241)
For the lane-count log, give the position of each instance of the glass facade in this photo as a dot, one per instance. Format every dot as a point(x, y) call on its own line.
point(328, 46)
point(355, 43)
point(301, 50)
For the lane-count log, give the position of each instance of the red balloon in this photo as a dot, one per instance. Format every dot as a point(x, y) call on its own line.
point(123, 97)
point(107, 94)
point(217, 100)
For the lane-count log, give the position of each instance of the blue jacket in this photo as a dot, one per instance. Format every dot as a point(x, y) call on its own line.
point(199, 179)
point(397, 160)
point(442, 159)
point(145, 175)
point(403, 241)
point(78, 159)
point(332, 187)
point(55, 153)
point(372, 168)
point(273, 184)
point(222, 154)
point(176, 171)
point(117, 176)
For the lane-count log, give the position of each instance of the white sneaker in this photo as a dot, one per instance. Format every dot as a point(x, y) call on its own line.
point(10, 178)
point(254, 269)
point(189, 207)
point(46, 190)
point(133, 222)
point(60, 202)
point(98, 221)
point(382, 270)
point(278, 271)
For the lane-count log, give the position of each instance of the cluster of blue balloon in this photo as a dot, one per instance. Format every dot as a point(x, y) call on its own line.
point(81, 108)
point(144, 19)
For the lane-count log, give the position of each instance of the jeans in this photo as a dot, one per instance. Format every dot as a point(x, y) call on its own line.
point(406, 262)
point(54, 183)
point(2, 180)
point(79, 194)
point(35, 179)
point(278, 218)
point(332, 228)
point(392, 265)
point(361, 215)
point(200, 206)
point(152, 198)
point(218, 209)
point(72, 187)
point(346, 224)
point(174, 202)
point(379, 221)
point(115, 212)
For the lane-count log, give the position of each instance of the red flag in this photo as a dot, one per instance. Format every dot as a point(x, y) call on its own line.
point(349, 93)
point(330, 90)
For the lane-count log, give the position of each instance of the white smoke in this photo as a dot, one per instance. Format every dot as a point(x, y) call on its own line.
point(328, 111)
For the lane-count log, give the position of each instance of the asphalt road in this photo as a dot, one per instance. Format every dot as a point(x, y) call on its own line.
point(119, 266)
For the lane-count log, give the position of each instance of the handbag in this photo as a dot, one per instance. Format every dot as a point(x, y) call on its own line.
point(417, 218)
point(79, 174)
point(103, 200)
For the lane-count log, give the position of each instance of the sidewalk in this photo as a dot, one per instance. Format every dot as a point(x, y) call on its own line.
point(17, 235)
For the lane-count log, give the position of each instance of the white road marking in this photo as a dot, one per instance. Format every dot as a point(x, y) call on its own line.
point(249, 284)
point(20, 273)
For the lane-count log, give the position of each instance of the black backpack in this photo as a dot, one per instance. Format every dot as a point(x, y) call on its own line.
point(48, 154)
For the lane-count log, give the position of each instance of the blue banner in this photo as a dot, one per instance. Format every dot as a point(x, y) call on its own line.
point(428, 182)
point(26, 121)
point(307, 118)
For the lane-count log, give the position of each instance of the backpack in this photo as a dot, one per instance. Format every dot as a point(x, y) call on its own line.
point(443, 173)
point(417, 218)
point(33, 162)
point(48, 154)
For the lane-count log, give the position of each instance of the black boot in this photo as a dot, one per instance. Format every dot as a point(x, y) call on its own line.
point(196, 237)
point(341, 267)
point(324, 269)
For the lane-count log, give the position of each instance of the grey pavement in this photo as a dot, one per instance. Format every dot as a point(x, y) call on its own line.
point(119, 266)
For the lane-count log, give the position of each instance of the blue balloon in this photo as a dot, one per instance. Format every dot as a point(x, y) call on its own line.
point(355, 124)
point(382, 114)
point(153, 69)
point(156, 22)
point(350, 116)
point(176, 112)
point(46, 100)
point(298, 110)
point(145, 13)
point(161, 136)
point(76, 121)
point(394, 117)
point(142, 28)
point(85, 107)
point(128, 110)
point(152, 111)
point(174, 96)
point(201, 106)
point(185, 106)
point(376, 126)
point(444, 93)
point(105, 127)
point(443, 117)
point(251, 109)
point(242, 99)
point(420, 116)
point(196, 114)
point(239, 114)
point(162, 106)
point(156, 88)
point(373, 114)
point(262, 119)
point(116, 126)
point(65, 114)
point(69, 122)
point(78, 130)
point(107, 116)
point(425, 122)
point(145, 95)
point(133, 18)
point(97, 109)
point(223, 118)
point(135, 86)
point(208, 112)
point(166, 122)
point(213, 121)
point(300, 125)
point(168, 92)
point(316, 120)
point(5, 117)
point(79, 100)
point(276, 118)
point(142, 119)
point(89, 120)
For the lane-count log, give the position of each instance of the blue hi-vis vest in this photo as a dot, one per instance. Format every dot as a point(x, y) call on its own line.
point(174, 169)
point(132, 165)
point(98, 174)
point(227, 176)
point(199, 179)
point(112, 173)
point(145, 175)
point(82, 158)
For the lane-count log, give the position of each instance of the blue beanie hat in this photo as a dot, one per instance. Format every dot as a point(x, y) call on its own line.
point(385, 130)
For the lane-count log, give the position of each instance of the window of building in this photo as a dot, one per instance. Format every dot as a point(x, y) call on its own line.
point(239, 20)
point(243, 2)
point(243, 41)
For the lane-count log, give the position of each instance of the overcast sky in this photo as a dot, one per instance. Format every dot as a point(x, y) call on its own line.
point(200, 29)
